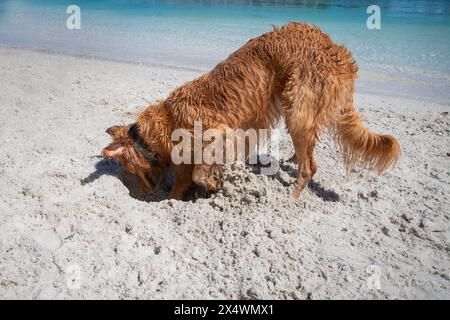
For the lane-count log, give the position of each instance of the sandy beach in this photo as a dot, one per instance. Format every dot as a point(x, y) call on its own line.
point(74, 225)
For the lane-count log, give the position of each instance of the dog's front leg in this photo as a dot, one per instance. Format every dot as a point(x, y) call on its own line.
point(183, 181)
point(208, 176)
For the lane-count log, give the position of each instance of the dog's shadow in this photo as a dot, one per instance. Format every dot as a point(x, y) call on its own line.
point(161, 192)
point(111, 167)
point(326, 195)
point(287, 166)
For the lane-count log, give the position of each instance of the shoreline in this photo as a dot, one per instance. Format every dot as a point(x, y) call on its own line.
point(100, 58)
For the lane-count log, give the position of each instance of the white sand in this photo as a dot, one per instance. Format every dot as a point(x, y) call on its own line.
point(65, 236)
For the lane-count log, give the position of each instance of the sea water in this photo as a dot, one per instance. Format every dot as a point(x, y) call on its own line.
point(407, 56)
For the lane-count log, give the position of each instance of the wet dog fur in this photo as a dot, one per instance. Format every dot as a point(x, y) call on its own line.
point(295, 72)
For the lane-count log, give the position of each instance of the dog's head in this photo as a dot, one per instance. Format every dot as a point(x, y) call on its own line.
point(133, 157)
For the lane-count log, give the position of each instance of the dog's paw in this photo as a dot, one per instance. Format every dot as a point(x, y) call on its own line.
point(209, 177)
point(298, 188)
point(296, 193)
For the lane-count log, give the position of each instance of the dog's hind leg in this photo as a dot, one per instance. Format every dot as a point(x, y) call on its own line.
point(313, 163)
point(301, 121)
point(304, 142)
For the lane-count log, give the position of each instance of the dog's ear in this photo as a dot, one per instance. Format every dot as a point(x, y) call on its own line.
point(114, 150)
point(112, 131)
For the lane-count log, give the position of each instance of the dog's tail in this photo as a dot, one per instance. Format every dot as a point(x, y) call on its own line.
point(361, 146)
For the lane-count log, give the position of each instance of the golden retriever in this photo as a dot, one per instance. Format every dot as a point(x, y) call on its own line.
point(295, 72)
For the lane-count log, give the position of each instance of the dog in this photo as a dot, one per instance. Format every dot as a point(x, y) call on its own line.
point(295, 72)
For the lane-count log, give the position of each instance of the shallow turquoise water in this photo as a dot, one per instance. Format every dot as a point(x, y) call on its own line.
point(414, 41)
